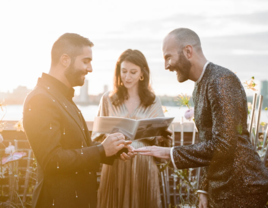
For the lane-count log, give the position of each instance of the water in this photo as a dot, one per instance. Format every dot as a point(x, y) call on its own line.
point(14, 112)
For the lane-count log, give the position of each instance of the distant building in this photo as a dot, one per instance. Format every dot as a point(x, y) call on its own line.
point(21, 91)
point(17, 96)
point(264, 92)
point(4, 96)
point(83, 97)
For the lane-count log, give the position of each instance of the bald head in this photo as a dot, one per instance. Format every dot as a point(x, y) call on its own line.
point(183, 53)
point(184, 37)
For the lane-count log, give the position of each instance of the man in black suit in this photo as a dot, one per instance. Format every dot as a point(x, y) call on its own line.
point(66, 157)
point(234, 175)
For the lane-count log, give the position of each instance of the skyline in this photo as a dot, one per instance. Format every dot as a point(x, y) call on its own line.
point(233, 34)
point(105, 88)
point(85, 98)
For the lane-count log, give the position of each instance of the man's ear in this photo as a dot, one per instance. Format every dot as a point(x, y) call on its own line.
point(65, 60)
point(188, 51)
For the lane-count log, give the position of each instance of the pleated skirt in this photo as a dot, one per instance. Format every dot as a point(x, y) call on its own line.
point(130, 184)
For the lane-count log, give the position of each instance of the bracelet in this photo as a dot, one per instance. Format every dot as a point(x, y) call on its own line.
point(202, 192)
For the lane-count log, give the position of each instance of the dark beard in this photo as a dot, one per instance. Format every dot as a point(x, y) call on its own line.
point(182, 66)
point(74, 76)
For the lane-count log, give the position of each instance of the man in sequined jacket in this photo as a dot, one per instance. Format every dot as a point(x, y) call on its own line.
point(234, 175)
point(67, 159)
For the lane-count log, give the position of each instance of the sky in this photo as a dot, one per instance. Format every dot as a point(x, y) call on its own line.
point(233, 34)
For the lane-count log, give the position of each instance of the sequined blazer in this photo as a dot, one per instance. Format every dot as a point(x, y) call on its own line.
point(67, 159)
point(231, 165)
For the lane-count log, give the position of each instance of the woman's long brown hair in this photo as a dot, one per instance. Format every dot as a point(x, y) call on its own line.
point(119, 93)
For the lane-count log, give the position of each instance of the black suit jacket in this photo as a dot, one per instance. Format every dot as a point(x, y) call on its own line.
point(67, 159)
point(232, 166)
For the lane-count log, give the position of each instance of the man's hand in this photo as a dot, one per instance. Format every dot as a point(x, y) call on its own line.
point(203, 201)
point(160, 152)
point(128, 156)
point(113, 143)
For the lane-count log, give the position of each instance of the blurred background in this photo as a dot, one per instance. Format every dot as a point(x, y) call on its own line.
point(233, 34)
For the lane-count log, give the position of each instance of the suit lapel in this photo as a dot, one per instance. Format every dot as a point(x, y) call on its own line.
point(66, 105)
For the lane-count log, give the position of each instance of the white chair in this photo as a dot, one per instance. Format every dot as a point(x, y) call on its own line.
point(254, 122)
point(256, 142)
point(194, 173)
point(252, 116)
point(27, 175)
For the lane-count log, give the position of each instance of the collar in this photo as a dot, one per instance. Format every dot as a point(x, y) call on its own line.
point(204, 68)
point(62, 88)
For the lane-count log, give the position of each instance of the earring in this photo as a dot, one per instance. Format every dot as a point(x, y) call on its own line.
point(142, 78)
point(122, 84)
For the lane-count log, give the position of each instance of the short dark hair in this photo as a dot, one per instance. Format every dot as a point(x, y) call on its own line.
point(70, 44)
point(119, 93)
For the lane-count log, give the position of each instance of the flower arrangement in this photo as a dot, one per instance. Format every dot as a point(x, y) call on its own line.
point(9, 173)
point(10, 149)
point(19, 126)
point(250, 84)
point(164, 108)
point(184, 100)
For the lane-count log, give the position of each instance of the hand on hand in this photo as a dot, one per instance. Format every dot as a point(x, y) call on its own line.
point(160, 152)
point(203, 201)
point(128, 156)
point(113, 143)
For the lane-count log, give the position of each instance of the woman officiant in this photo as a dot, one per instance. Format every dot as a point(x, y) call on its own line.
point(133, 183)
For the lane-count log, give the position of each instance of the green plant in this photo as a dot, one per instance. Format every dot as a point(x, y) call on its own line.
point(184, 100)
point(181, 176)
point(250, 84)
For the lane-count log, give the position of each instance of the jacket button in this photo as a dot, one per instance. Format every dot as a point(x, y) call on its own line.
point(89, 173)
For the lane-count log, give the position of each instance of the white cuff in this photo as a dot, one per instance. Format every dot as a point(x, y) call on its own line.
point(171, 157)
point(202, 192)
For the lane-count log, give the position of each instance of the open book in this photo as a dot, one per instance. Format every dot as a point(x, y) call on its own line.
point(132, 129)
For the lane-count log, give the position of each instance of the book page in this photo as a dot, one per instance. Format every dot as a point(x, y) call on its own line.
point(132, 129)
point(152, 127)
point(108, 125)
